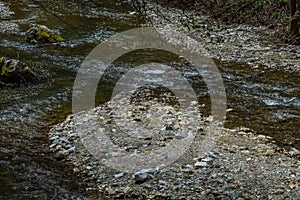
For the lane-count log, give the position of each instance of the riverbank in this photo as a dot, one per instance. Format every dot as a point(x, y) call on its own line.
point(241, 165)
point(237, 43)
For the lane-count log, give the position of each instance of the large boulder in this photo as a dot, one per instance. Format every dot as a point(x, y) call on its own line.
point(15, 72)
point(42, 34)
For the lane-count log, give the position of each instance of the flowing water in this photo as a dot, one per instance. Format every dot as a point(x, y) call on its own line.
point(267, 102)
point(27, 169)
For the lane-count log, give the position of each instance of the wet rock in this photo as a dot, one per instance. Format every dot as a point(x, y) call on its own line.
point(15, 72)
point(42, 34)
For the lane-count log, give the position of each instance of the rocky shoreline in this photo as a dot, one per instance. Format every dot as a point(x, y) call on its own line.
point(235, 43)
point(242, 164)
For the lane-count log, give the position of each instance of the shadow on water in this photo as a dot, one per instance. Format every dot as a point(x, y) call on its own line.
point(265, 100)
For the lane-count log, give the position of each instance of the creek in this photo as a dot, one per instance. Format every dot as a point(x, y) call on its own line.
point(264, 100)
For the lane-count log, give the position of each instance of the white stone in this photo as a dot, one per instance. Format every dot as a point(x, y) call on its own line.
point(200, 164)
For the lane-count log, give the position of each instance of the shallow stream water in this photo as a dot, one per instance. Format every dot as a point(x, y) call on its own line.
point(267, 101)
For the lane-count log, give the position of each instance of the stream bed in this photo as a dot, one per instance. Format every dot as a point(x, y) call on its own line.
point(264, 100)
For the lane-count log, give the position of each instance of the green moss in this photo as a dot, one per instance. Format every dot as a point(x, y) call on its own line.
point(57, 38)
point(13, 71)
point(5, 70)
point(44, 35)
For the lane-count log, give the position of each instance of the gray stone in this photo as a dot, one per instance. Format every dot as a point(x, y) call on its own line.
point(212, 155)
point(116, 184)
point(161, 182)
point(143, 175)
point(294, 152)
point(207, 159)
point(181, 136)
point(42, 34)
point(15, 72)
point(200, 164)
point(120, 175)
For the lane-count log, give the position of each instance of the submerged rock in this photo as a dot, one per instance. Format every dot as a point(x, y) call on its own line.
point(13, 72)
point(42, 34)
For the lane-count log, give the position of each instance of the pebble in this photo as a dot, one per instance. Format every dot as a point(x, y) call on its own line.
point(229, 110)
point(71, 149)
point(149, 170)
point(64, 140)
point(227, 174)
point(181, 136)
point(143, 175)
point(291, 185)
point(207, 159)
point(269, 152)
point(52, 145)
point(176, 126)
point(53, 138)
point(212, 155)
point(200, 164)
point(116, 184)
point(120, 175)
point(161, 182)
point(278, 191)
point(294, 152)
point(76, 170)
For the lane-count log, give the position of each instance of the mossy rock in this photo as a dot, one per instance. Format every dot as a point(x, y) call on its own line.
point(15, 72)
point(42, 34)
